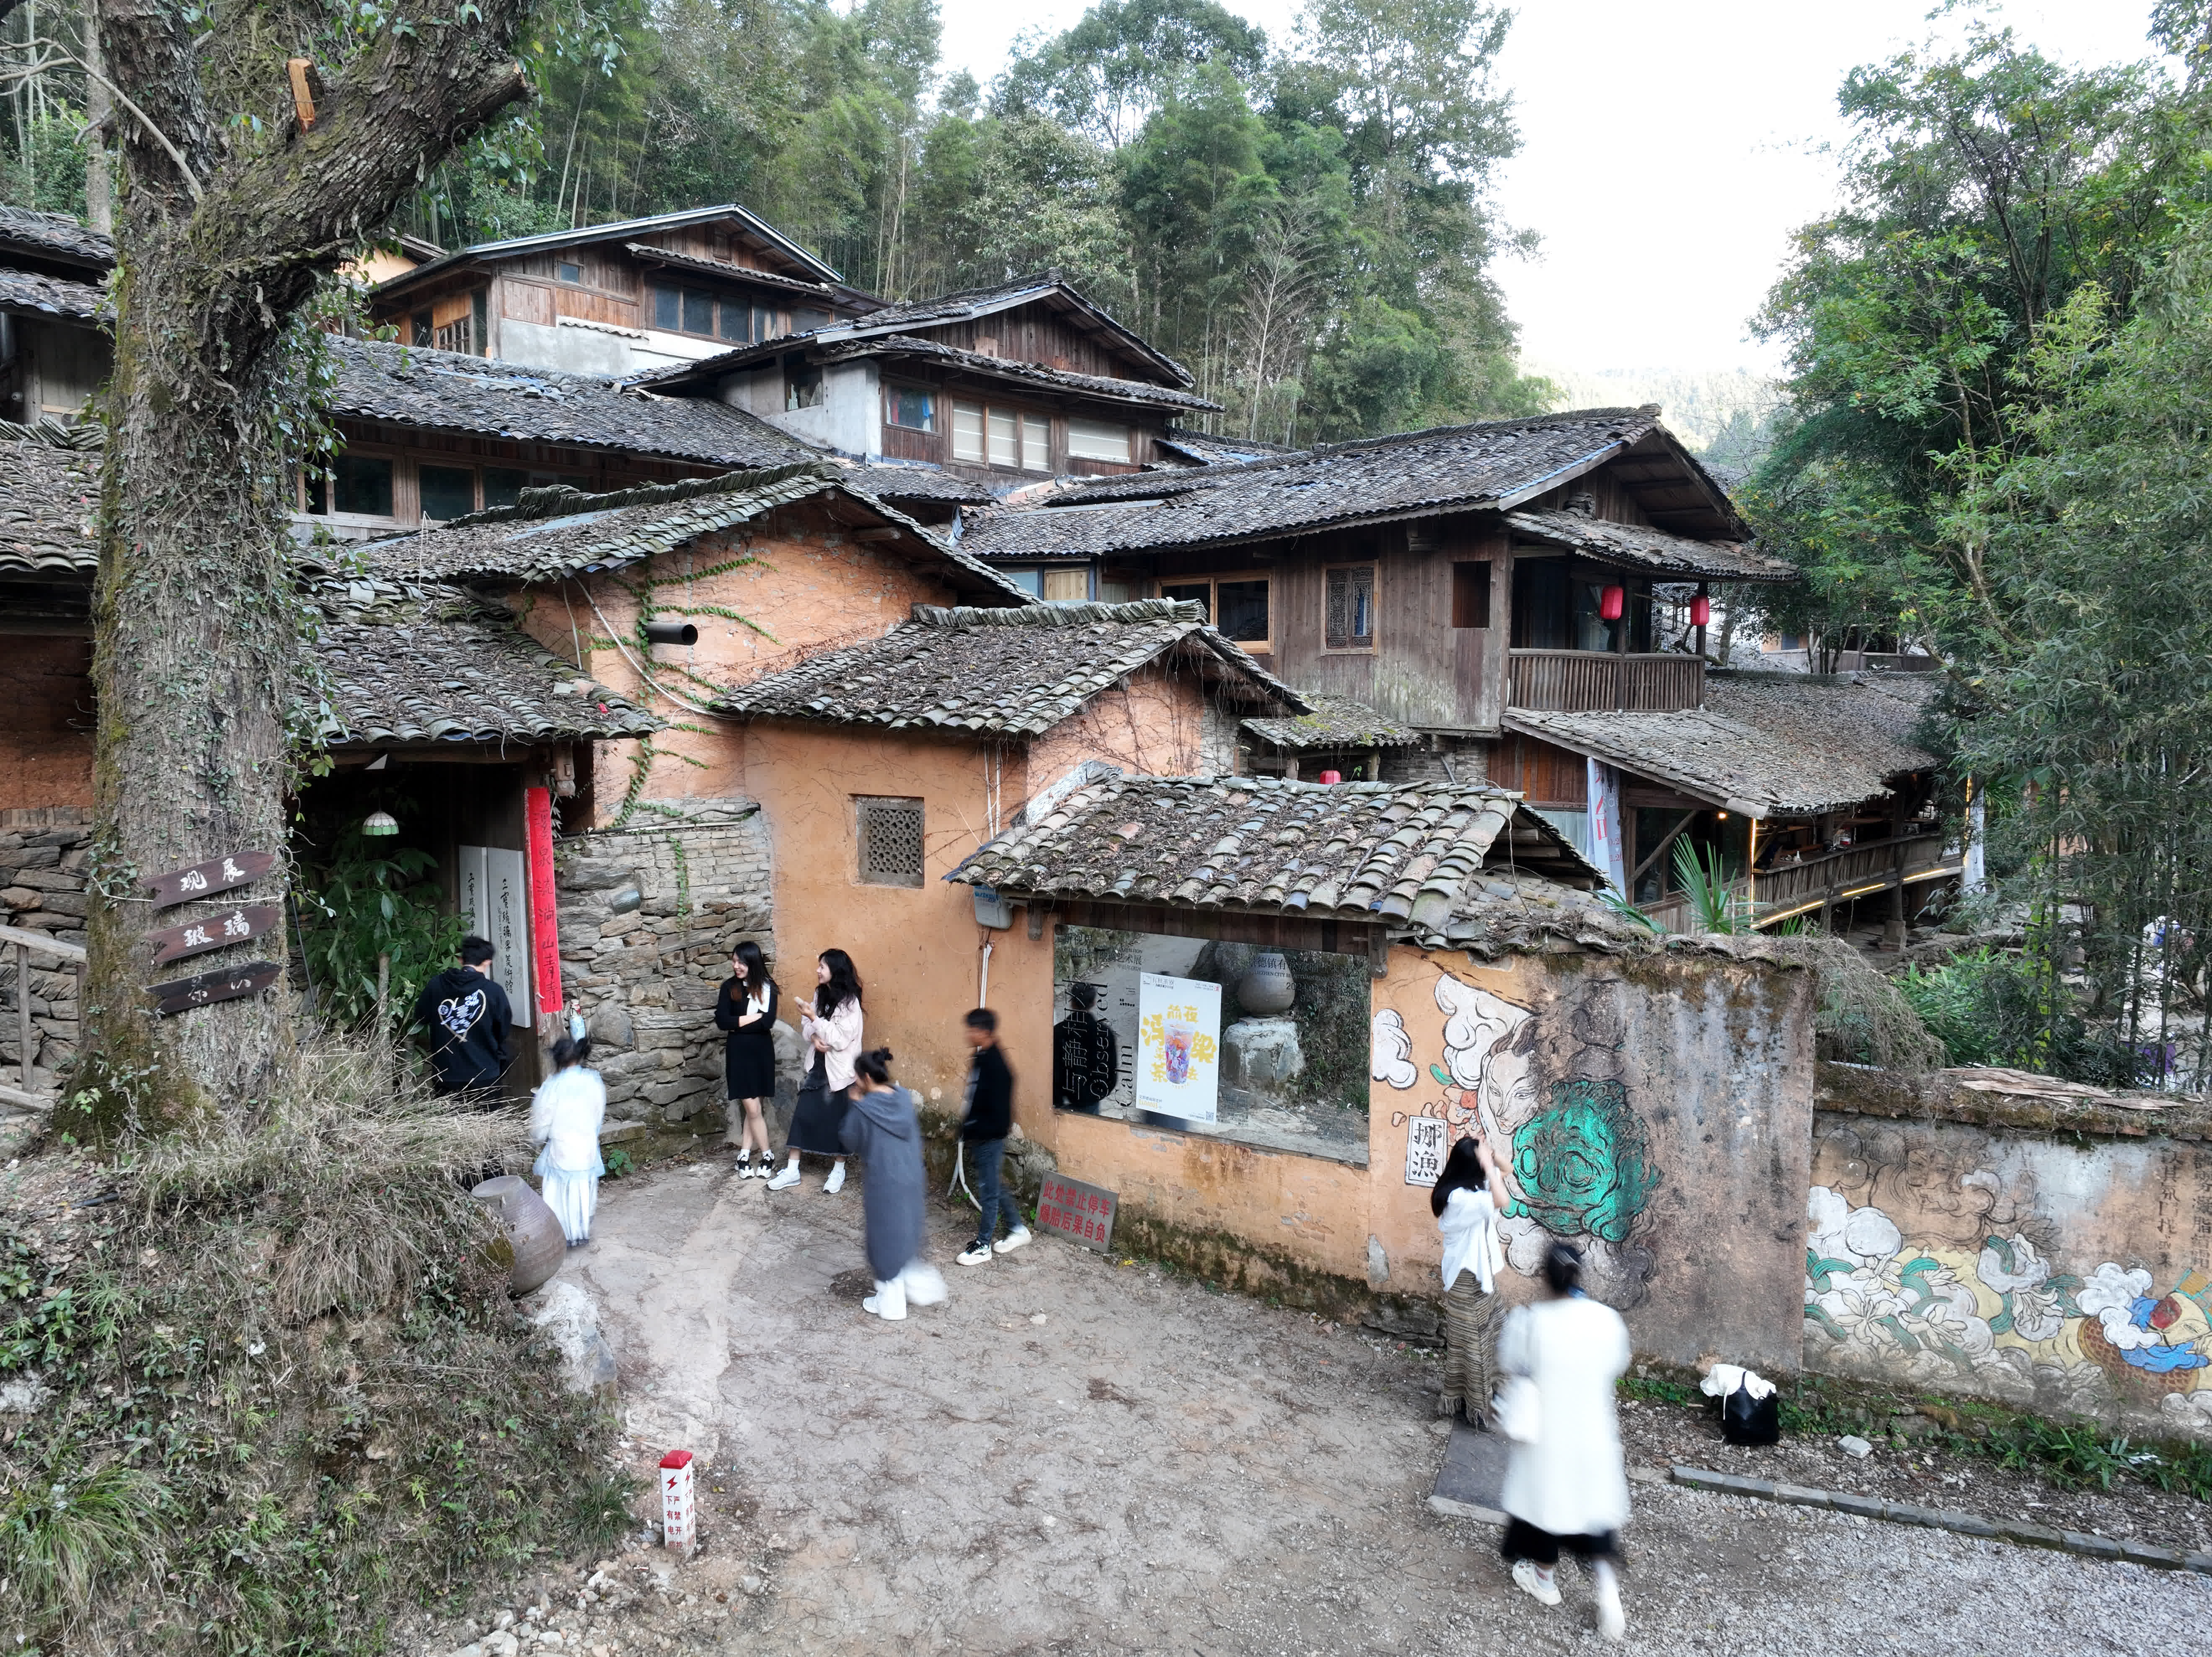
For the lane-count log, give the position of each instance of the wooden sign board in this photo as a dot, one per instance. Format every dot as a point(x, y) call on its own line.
point(246, 921)
point(204, 989)
point(206, 879)
point(1083, 1213)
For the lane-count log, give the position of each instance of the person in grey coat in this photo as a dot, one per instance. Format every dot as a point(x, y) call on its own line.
point(881, 1128)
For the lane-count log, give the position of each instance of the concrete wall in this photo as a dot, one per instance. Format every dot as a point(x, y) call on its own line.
point(850, 416)
point(2057, 1258)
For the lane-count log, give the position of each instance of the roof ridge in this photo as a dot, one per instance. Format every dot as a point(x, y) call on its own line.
point(1060, 615)
point(564, 501)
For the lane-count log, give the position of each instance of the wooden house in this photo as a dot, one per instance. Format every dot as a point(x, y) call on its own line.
point(52, 354)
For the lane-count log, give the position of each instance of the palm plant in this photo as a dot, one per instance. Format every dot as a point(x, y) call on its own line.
point(1703, 879)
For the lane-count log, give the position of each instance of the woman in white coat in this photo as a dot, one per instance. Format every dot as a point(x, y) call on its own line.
point(566, 1114)
point(1565, 1486)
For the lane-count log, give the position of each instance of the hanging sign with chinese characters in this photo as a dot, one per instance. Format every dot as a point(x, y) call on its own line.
point(237, 926)
point(203, 989)
point(206, 879)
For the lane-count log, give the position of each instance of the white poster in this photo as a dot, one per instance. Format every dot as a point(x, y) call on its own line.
point(1178, 1046)
point(494, 904)
point(1428, 1139)
point(1605, 824)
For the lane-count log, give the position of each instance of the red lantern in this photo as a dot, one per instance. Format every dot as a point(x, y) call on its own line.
point(1701, 611)
point(1610, 603)
point(1331, 776)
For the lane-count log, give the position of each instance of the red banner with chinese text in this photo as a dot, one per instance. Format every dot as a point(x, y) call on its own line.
point(545, 931)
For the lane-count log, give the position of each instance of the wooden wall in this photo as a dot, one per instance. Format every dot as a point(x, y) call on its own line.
point(1038, 333)
point(1546, 776)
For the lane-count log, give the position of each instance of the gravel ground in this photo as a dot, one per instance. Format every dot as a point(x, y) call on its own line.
point(1078, 1456)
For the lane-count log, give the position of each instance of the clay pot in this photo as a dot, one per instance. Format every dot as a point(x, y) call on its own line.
point(533, 1245)
point(1268, 986)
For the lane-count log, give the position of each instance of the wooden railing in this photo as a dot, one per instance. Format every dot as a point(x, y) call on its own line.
point(24, 943)
point(1800, 888)
point(1594, 681)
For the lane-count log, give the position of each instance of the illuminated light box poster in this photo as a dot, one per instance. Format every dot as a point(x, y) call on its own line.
point(1178, 1046)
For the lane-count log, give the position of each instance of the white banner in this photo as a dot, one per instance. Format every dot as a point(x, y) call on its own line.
point(494, 904)
point(1605, 824)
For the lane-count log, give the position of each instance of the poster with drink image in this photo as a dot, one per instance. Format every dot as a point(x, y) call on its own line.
point(1178, 1046)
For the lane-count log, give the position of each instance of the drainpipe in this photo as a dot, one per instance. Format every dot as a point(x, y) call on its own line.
point(983, 988)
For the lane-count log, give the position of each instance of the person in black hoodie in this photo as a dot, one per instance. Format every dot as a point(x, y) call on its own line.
point(984, 1128)
point(468, 1018)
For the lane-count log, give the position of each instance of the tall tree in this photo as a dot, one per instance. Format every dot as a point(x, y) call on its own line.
point(232, 209)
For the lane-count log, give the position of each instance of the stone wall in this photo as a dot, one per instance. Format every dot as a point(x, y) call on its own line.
point(43, 853)
point(2048, 1249)
point(648, 916)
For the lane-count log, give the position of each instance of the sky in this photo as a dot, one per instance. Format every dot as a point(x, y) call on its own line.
point(1668, 150)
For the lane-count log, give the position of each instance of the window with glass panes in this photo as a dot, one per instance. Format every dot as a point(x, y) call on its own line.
point(997, 434)
point(913, 407)
point(711, 316)
point(1348, 617)
point(1236, 605)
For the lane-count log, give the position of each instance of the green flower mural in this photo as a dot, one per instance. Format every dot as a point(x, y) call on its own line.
point(1582, 1162)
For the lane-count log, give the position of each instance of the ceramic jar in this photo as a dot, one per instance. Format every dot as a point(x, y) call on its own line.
point(533, 1242)
point(1267, 987)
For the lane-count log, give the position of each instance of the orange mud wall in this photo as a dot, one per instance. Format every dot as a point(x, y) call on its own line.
point(1157, 722)
point(45, 721)
point(1654, 1111)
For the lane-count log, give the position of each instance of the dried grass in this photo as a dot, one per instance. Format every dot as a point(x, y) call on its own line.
point(1861, 1016)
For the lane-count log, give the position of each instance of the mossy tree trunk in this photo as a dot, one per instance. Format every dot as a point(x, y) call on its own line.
point(227, 214)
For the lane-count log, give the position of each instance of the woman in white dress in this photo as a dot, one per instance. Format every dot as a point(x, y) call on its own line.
point(566, 1114)
point(1565, 1486)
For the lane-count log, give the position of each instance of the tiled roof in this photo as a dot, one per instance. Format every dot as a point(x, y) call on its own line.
point(1011, 672)
point(724, 269)
point(967, 305)
point(1467, 866)
point(1763, 744)
point(919, 484)
point(1653, 549)
point(57, 296)
point(1496, 465)
point(49, 496)
point(1336, 722)
point(56, 235)
point(412, 665)
point(444, 390)
point(621, 230)
point(1031, 373)
point(1204, 449)
point(558, 532)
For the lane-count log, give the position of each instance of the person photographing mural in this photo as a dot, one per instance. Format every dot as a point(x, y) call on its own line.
point(1565, 1485)
point(831, 1027)
point(467, 1018)
point(1467, 1219)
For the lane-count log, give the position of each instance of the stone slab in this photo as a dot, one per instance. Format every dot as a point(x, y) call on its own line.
point(1469, 1483)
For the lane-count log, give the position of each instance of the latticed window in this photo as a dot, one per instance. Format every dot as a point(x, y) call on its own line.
point(890, 839)
point(1349, 623)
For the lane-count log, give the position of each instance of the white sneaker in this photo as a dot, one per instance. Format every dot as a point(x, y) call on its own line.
point(888, 1303)
point(1611, 1625)
point(835, 1182)
point(1536, 1581)
point(978, 1256)
point(786, 1179)
point(1017, 1238)
point(924, 1284)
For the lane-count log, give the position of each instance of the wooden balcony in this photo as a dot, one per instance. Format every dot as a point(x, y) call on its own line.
point(1814, 884)
point(1594, 681)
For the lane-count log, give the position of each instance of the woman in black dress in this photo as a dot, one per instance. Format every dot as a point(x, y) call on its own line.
point(746, 1009)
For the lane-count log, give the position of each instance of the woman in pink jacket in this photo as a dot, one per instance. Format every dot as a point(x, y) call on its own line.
point(831, 1027)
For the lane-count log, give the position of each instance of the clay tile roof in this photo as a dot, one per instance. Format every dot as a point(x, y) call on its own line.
point(1424, 861)
point(1010, 672)
point(56, 297)
point(54, 234)
point(557, 532)
point(412, 665)
point(1337, 722)
point(894, 482)
point(446, 392)
point(1766, 744)
point(1204, 449)
point(1494, 466)
point(1034, 373)
point(49, 490)
point(1646, 548)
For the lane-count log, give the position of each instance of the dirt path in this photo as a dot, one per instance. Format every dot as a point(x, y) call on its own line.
point(1079, 1456)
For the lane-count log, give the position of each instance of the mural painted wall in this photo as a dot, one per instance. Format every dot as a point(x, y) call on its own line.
point(2069, 1275)
point(1656, 1113)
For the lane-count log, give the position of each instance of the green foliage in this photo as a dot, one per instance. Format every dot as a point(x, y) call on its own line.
point(1992, 1007)
point(1702, 876)
point(376, 897)
point(618, 1163)
point(288, 1395)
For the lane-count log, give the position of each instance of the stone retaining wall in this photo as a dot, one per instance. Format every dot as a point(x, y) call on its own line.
point(43, 853)
point(648, 916)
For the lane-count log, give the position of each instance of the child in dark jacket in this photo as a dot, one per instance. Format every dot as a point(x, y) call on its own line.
point(984, 1129)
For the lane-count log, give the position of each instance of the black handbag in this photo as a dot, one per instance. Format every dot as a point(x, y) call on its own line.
point(1748, 1420)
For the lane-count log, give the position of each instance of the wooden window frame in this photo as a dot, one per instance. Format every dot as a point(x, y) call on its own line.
point(1212, 583)
point(893, 388)
point(1021, 414)
point(1373, 640)
point(476, 486)
point(1472, 602)
point(402, 479)
point(654, 287)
